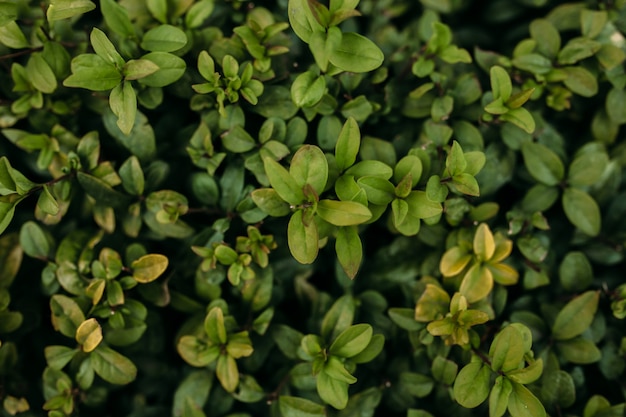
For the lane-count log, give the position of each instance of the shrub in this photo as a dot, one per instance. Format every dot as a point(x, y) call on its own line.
point(308, 208)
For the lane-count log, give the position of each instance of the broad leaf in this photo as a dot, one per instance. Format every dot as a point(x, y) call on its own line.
point(582, 210)
point(112, 366)
point(576, 316)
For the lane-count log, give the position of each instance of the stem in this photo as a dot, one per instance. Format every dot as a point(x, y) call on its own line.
point(273, 396)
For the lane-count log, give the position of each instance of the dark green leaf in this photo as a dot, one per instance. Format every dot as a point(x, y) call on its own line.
point(576, 316)
point(112, 366)
point(582, 210)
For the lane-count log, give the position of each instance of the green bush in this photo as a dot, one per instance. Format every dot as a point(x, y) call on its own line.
point(312, 207)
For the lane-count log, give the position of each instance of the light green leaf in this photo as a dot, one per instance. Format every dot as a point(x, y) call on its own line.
point(123, 102)
point(308, 89)
point(343, 213)
point(352, 341)
point(302, 20)
point(66, 315)
point(471, 386)
point(501, 86)
point(12, 36)
point(357, 53)
point(92, 72)
point(521, 118)
point(348, 142)
point(171, 69)
point(580, 81)
point(149, 267)
point(46, 202)
point(507, 350)
point(546, 36)
point(527, 375)
point(238, 140)
point(268, 200)
point(227, 372)
point(542, 163)
point(576, 316)
point(587, 168)
point(103, 47)
point(582, 210)
point(136, 69)
point(40, 74)
point(59, 356)
point(332, 391)
point(164, 38)
point(499, 396)
point(302, 239)
point(522, 403)
point(112, 366)
point(34, 241)
point(309, 167)
point(64, 9)
point(282, 182)
point(132, 176)
point(116, 18)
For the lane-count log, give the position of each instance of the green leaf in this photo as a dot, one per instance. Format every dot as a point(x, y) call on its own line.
point(575, 272)
point(309, 167)
point(349, 250)
point(299, 407)
point(421, 207)
point(507, 350)
point(116, 18)
point(352, 341)
point(307, 89)
point(92, 72)
point(348, 143)
point(592, 22)
point(546, 36)
point(66, 315)
point(521, 118)
point(198, 13)
point(580, 81)
point(164, 38)
point(268, 200)
point(214, 326)
point(339, 317)
point(171, 69)
point(372, 350)
point(587, 168)
point(46, 201)
point(582, 210)
point(379, 191)
point(501, 86)
point(542, 163)
point(136, 69)
point(577, 49)
point(141, 140)
point(193, 391)
point(103, 47)
point(12, 36)
point(100, 190)
point(89, 334)
point(302, 20)
point(302, 239)
point(59, 356)
point(34, 241)
point(332, 391)
point(282, 182)
point(64, 9)
point(343, 213)
point(471, 386)
point(357, 53)
point(534, 63)
point(477, 283)
point(484, 244)
point(499, 396)
point(238, 140)
point(576, 316)
point(40, 74)
point(579, 351)
point(616, 105)
point(132, 176)
point(227, 372)
point(149, 267)
point(522, 403)
point(112, 366)
point(123, 102)
point(527, 375)
point(466, 183)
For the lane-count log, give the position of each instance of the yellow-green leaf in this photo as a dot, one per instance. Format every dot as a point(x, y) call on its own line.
point(89, 334)
point(149, 267)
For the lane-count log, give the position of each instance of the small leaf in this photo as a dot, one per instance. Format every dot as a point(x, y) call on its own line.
point(227, 372)
point(40, 74)
point(499, 397)
point(282, 182)
point(348, 142)
point(471, 386)
point(349, 250)
point(501, 86)
point(112, 366)
point(527, 375)
point(64, 9)
point(522, 403)
point(149, 267)
point(521, 118)
point(332, 391)
point(579, 350)
point(507, 350)
point(582, 210)
point(123, 102)
point(299, 407)
point(214, 326)
point(103, 47)
point(308, 89)
point(309, 167)
point(351, 341)
point(580, 81)
point(343, 213)
point(89, 334)
point(164, 38)
point(302, 239)
point(542, 163)
point(576, 316)
point(357, 53)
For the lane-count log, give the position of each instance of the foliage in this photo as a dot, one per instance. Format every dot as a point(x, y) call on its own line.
point(312, 207)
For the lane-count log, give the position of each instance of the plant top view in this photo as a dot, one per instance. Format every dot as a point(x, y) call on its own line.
point(309, 208)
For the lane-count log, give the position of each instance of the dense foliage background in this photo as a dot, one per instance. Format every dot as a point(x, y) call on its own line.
point(307, 208)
